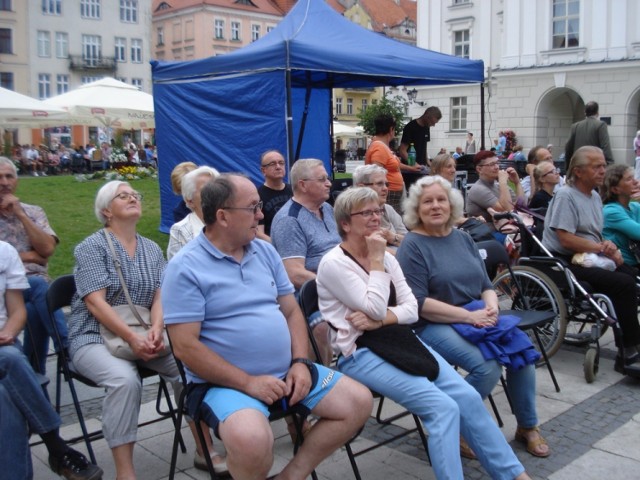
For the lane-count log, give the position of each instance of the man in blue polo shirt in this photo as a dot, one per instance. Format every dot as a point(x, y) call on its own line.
point(234, 322)
point(303, 230)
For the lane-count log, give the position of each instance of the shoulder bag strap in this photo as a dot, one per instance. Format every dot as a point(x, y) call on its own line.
point(125, 290)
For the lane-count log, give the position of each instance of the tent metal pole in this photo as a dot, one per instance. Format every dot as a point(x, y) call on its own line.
point(290, 157)
point(482, 116)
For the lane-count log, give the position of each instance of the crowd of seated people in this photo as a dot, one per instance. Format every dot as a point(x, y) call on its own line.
point(422, 298)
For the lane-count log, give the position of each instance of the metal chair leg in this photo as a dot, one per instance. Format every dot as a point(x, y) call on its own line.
point(546, 359)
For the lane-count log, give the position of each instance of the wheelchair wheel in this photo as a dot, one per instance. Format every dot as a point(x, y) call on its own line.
point(585, 326)
point(541, 294)
point(591, 364)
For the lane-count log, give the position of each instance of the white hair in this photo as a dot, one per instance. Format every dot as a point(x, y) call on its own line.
point(190, 178)
point(412, 202)
point(105, 196)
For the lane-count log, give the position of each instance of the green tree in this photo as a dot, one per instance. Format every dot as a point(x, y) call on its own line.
point(393, 106)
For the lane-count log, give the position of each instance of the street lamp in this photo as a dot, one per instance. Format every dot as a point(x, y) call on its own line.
point(411, 95)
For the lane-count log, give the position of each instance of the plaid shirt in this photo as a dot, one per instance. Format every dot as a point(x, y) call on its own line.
point(12, 231)
point(95, 270)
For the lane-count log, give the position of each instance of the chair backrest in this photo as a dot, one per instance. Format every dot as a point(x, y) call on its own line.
point(61, 292)
point(308, 302)
point(494, 255)
point(308, 297)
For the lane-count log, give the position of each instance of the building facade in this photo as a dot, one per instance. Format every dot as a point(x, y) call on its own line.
point(544, 61)
point(52, 46)
point(392, 18)
point(190, 29)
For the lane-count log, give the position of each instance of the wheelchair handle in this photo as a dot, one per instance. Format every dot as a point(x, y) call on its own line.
point(502, 215)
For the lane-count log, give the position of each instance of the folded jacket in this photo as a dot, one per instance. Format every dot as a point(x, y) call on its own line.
point(503, 342)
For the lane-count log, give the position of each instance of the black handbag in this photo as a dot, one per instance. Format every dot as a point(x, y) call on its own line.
point(479, 231)
point(398, 344)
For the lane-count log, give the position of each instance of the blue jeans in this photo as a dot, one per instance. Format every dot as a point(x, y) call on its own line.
point(36, 336)
point(484, 374)
point(447, 407)
point(23, 409)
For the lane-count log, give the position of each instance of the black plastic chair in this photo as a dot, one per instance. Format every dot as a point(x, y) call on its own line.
point(59, 295)
point(496, 256)
point(181, 409)
point(308, 301)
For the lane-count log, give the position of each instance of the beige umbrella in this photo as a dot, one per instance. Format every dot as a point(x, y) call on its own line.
point(107, 103)
point(20, 110)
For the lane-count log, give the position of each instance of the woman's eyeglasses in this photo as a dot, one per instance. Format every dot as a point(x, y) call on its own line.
point(369, 213)
point(127, 195)
point(555, 170)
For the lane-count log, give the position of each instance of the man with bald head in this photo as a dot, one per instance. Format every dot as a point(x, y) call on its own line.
point(234, 322)
point(274, 193)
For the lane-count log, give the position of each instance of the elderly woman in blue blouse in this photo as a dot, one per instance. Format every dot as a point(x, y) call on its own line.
point(445, 272)
point(621, 215)
point(364, 297)
point(189, 227)
point(118, 208)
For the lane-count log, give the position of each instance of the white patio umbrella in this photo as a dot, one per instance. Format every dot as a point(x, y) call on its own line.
point(17, 109)
point(342, 130)
point(107, 103)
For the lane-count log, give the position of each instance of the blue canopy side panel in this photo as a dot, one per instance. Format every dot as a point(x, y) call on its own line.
point(316, 139)
point(225, 123)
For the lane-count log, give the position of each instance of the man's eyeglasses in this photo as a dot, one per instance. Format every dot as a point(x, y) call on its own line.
point(555, 170)
point(273, 164)
point(255, 209)
point(127, 195)
point(490, 164)
point(319, 179)
point(369, 213)
point(377, 184)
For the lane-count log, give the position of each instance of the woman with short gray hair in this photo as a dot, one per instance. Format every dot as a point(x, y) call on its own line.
point(456, 301)
point(118, 207)
point(392, 227)
point(190, 226)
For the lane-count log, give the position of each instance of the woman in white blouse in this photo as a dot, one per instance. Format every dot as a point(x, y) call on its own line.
point(190, 226)
point(365, 299)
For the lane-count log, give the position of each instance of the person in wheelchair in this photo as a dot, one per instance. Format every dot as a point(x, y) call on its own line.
point(621, 215)
point(444, 269)
point(363, 295)
point(574, 225)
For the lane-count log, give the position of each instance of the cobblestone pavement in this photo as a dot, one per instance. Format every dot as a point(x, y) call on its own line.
point(571, 434)
point(592, 430)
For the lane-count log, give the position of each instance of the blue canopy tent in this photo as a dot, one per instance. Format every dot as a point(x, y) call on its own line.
point(275, 93)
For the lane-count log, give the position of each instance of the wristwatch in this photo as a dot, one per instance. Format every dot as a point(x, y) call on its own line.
point(306, 361)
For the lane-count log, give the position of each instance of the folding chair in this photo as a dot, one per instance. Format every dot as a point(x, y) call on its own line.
point(495, 256)
point(181, 409)
point(308, 301)
point(96, 160)
point(59, 295)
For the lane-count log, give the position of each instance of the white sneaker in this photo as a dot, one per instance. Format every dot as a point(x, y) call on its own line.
point(35, 174)
point(43, 174)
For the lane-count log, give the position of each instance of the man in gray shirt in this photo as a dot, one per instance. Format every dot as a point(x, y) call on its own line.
point(492, 189)
point(573, 224)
